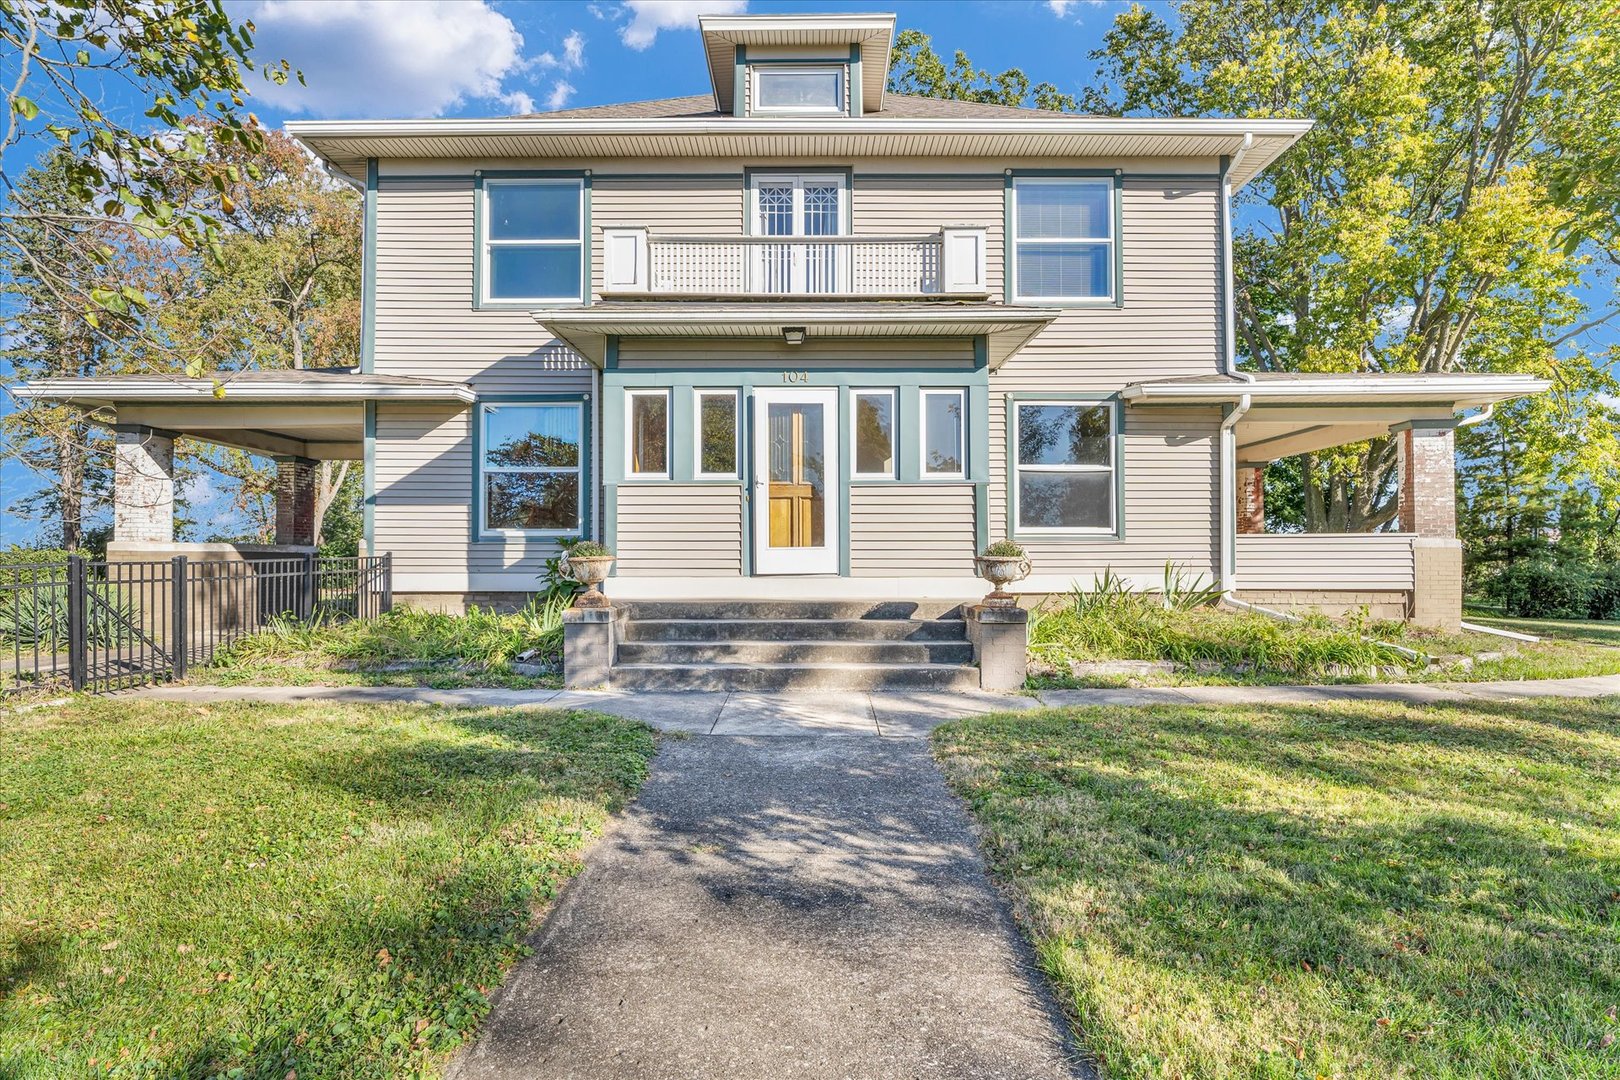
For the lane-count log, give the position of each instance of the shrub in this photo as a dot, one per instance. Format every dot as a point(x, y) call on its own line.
point(1544, 589)
point(1004, 549)
point(589, 549)
point(1604, 602)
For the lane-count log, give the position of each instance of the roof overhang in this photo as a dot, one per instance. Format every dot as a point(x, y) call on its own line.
point(1456, 391)
point(874, 33)
point(114, 390)
point(347, 144)
point(1005, 329)
point(1292, 415)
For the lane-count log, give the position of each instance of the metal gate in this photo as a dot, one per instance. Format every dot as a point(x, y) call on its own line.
point(108, 625)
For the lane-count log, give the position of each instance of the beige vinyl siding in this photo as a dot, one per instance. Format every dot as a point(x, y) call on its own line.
point(426, 325)
point(1317, 561)
point(667, 530)
point(1170, 458)
point(837, 353)
point(701, 206)
point(1169, 325)
point(920, 205)
point(424, 489)
point(911, 530)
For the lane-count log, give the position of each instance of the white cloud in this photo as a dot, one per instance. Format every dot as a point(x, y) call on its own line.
point(651, 16)
point(561, 91)
point(573, 56)
point(1061, 8)
point(385, 57)
point(518, 103)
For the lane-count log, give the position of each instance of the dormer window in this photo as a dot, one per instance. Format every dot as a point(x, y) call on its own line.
point(798, 89)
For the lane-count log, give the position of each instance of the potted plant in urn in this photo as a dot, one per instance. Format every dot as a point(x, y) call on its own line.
point(1001, 564)
point(588, 563)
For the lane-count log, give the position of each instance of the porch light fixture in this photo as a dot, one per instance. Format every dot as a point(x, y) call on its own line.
point(793, 335)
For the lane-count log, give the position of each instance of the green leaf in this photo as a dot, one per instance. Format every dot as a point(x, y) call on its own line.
point(24, 107)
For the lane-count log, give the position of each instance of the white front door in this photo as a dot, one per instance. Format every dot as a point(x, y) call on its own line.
point(795, 471)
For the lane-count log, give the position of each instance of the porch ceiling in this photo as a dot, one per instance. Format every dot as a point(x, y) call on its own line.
point(312, 413)
point(1297, 413)
point(1005, 329)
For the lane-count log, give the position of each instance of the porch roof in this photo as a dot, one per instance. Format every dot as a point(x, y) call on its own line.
point(1005, 329)
point(1296, 412)
point(314, 413)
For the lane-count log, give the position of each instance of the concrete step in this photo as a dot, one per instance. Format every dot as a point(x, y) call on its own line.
point(790, 609)
point(794, 677)
point(795, 652)
point(793, 630)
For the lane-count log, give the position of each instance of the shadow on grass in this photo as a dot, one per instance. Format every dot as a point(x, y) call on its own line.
point(1425, 865)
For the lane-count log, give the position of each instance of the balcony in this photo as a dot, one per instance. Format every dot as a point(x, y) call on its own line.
point(946, 265)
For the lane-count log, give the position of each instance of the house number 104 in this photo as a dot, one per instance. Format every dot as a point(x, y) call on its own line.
point(795, 376)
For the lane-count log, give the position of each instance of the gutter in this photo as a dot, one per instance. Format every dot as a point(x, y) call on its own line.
point(1228, 487)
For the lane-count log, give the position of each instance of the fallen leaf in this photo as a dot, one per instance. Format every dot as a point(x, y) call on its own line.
point(383, 958)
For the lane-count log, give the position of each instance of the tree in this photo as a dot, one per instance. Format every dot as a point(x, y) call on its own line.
point(1423, 225)
point(914, 68)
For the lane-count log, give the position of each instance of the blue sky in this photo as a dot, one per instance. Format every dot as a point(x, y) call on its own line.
point(422, 58)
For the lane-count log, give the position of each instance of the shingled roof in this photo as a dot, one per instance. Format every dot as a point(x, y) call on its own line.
point(699, 106)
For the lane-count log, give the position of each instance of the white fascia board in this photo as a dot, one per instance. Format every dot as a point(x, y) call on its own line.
point(174, 390)
point(775, 316)
point(1438, 388)
point(838, 125)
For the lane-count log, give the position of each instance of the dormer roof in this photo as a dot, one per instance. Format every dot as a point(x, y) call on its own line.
point(873, 33)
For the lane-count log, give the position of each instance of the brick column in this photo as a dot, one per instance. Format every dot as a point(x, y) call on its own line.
point(1428, 509)
point(295, 501)
point(143, 484)
point(1251, 500)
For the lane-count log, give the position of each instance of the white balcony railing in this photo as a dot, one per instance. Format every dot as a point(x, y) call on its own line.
point(947, 263)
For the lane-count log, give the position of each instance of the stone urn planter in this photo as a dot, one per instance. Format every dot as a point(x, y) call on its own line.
point(1001, 564)
point(589, 564)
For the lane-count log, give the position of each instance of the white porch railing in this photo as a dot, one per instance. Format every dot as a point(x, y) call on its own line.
point(1335, 561)
point(947, 263)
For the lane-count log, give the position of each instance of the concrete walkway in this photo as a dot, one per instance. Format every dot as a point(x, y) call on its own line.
point(904, 715)
point(779, 907)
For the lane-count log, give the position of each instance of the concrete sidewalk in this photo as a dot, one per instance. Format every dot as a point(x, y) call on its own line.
point(773, 908)
point(895, 715)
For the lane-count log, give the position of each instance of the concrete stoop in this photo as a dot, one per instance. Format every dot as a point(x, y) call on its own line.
point(753, 645)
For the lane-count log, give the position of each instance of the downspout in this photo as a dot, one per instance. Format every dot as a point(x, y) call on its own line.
point(1228, 437)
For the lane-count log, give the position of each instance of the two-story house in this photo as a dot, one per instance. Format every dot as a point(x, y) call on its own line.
point(803, 338)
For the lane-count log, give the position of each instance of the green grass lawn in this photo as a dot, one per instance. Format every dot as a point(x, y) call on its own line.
point(263, 891)
point(405, 647)
point(1593, 631)
point(1357, 890)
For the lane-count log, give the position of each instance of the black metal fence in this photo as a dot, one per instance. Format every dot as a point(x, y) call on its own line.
point(99, 626)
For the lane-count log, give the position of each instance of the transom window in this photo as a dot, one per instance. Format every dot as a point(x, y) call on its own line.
point(530, 479)
point(814, 90)
point(532, 247)
point(1064, 468)
point(1063, 238)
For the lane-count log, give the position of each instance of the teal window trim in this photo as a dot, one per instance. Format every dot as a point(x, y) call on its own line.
point(856, 105)
point(476, 503)
point(368, 478)
point(739, 85)
point(368, 273)
point(1066, 536)
point(587, 241)
point(1009, 271)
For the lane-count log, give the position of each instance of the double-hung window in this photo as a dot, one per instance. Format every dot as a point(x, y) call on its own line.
point(1063, 239)
point(531, 478)
point(1064, 467)
point(532, 244)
